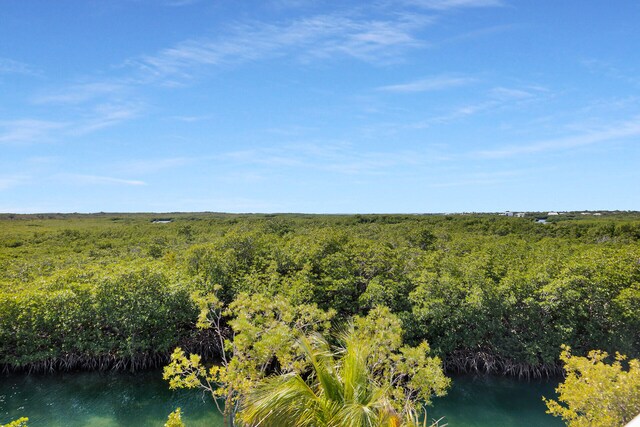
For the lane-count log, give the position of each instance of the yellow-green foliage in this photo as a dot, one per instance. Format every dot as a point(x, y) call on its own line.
point(597, 394)
point(21, 422)
point(369, 379)
point(372, 371)
point(174, 419)
point(263, 332)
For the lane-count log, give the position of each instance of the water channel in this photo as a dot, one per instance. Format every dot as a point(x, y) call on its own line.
point(143, 399)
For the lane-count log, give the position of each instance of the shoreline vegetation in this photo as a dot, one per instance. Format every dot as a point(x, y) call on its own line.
point(489, 293)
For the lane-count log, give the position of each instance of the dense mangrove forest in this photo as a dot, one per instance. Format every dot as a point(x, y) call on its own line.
point(489, 293)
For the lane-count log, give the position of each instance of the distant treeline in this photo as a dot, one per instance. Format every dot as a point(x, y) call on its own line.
point(488, 292)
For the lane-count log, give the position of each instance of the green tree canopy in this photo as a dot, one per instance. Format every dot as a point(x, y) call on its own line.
point(368, 380)
point(269, 345)
point(597, 394)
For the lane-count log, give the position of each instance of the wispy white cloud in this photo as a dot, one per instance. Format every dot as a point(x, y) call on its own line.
point(79, 93)
point(106, 115)
point(620, 131)
point(607, 69)
point(96, 179)
point(455, 114)
point(376, 41)
point(428, 84)
point(321, 36)
point(29, 130)
point(453, 4)
point(497, 98)
point(510, 93)
point(10, 66)
point(339, 158)
point(615, 104)
point(265, 157)
point(350, 33)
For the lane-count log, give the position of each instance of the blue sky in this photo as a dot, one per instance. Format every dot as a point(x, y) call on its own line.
point(319, 106)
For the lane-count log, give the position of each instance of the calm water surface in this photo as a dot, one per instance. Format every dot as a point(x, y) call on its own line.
point(143, 399)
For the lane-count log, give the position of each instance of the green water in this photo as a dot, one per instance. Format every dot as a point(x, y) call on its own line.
point(495, 401)
point(143, 399)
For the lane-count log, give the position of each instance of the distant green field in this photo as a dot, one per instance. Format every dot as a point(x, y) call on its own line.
point(488, 292)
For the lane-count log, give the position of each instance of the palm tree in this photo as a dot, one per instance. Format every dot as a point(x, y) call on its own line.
point(338, 389)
